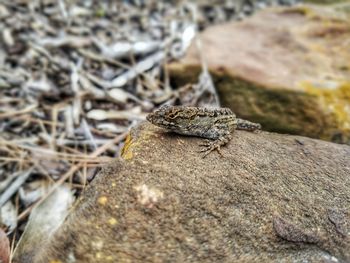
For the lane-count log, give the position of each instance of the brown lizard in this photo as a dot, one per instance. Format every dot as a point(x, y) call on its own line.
point(216, 124)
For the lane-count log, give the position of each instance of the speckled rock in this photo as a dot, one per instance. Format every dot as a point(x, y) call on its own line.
point(287, 68)
point(271, 198)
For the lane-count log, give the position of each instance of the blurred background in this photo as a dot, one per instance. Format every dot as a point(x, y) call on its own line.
point(76, 76)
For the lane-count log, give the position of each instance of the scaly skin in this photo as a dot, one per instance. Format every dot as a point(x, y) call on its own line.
point(215, 124)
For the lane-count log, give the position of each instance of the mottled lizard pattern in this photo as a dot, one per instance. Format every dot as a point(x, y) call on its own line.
point(215, 124)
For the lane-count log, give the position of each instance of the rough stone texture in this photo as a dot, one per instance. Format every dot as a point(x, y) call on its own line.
point(272, 198)
point(286, 68)
point(326, 1)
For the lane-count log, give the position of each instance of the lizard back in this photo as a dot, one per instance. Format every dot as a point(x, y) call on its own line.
point(209, 123)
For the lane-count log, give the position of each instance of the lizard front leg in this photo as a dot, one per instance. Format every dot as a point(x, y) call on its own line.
point(211, 145)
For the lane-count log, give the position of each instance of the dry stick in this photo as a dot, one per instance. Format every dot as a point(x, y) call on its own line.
point(12, 189)
point(42, 127)
point(71, 171)
point(48, 152)
point(9, 159)
point(28, 118)
point(19, 112)
point(100, 58)
point(7, 181)
point(90, 163)
point(84, 175)
point(103, 59)
point(43, 171)
point(54, 127)
point(88, 134)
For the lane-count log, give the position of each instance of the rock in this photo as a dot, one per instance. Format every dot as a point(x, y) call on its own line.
point(271, 198)
point(325, 1)
point(287, 68)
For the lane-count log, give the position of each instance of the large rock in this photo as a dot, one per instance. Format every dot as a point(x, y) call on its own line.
point(271, 198)
point(287, 68)
point(326, 1)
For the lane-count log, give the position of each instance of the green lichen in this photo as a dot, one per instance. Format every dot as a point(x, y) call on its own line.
point(335, 100)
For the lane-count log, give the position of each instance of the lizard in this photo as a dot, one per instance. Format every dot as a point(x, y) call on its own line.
point(214, 124)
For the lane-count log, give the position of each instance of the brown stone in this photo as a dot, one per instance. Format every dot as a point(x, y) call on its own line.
point(271, 198)
point(287, 68)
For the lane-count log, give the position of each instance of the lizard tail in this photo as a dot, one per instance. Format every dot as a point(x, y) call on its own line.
point(247, 125)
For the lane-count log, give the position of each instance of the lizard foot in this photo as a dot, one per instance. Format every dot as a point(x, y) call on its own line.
point(210, 146)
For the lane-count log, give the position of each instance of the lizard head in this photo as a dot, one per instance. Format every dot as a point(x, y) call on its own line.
point(168, 117)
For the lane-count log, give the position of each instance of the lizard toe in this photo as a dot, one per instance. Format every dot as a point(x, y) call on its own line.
point(205, 149)
point(206, 143)
point(206, 152)
point(218, 149)
point(211, 146)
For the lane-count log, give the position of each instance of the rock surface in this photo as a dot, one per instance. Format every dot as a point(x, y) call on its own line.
point(287, 68)
point(272, 198)
point(325, 1)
